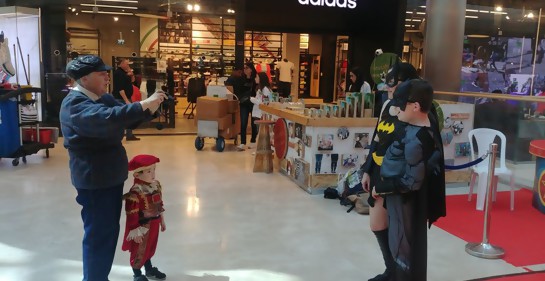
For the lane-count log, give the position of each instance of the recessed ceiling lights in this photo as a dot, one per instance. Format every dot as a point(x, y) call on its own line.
point(197, 7)
point(499, 8)
point(105, 12)
point(110, 6)
point(116, 18)
point(189, 7)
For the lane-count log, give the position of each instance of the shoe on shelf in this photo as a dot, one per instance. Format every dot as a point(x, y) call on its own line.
point(240, 147)
point(132, 138)
point(155, 274)
point(140, 278)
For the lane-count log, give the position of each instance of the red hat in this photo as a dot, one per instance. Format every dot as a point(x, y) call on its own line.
point(142, 162)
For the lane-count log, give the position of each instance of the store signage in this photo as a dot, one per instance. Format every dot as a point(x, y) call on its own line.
point(350, 4)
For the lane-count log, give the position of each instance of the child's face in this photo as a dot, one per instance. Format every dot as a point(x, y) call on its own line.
point(147, 175)
point(407, 114)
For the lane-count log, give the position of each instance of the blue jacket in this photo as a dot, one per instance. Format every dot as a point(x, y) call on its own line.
point(93, 131)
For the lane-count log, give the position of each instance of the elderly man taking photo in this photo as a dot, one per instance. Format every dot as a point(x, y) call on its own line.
point(93, 125)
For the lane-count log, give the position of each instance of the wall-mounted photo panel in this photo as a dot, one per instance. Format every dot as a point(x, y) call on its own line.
point(326, 163)
point(301, 171)
point(299, 130)
point(349, 160)
point(343, 133)
point(325, 142)
point(361, 140)
point(307, 140)
point(300, 149)
point(291, 129)
point(462, 149)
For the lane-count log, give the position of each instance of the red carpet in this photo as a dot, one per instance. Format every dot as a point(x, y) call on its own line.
point(520, 232)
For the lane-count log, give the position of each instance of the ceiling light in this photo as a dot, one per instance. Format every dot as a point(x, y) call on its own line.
point(104, 12)
point(484, 12)
point(530, 15)
point(73, 9)
point(110, 6)
point(189, 7)
point(410, 13)
point(472, 17)
point(420, 13)
point(507, 17)
point(77, 14)
point(499, 8)
point(197, 7)
point(471, 10)
point(116, 18)
point(498, 13)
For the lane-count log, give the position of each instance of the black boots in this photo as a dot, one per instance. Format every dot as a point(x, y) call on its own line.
point(382, 238)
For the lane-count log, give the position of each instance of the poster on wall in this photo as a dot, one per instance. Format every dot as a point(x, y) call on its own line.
point(325, 142)
point(326, 163)
point(499, 64)
point(349, 160)
point(458, 121)
point(301, 171)
point(361, 140)
point(299, 129)
point(463, 149)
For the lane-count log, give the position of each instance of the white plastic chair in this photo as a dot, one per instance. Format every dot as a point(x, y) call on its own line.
point(484, 137)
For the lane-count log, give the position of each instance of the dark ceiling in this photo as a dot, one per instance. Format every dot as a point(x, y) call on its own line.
point(217, 7)
point(476, 23)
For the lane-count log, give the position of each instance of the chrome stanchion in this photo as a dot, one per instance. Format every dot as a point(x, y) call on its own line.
point(485, 249)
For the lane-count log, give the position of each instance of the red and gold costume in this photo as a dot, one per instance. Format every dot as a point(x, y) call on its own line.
point(144, 208)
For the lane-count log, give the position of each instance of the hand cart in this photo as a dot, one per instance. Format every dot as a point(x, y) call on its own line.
point(227, 128)
point(12, 144)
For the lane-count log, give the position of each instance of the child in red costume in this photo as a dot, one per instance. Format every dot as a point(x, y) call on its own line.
point(144, 209)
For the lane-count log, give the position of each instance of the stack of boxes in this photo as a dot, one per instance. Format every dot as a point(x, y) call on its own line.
point(225, 112)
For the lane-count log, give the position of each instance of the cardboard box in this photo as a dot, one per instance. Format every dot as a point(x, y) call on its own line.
point(211, 108)
point(234, 128)
point(233, 106)
point(225, 122)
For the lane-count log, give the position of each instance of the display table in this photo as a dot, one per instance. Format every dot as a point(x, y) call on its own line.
point(314, 151)
point(537, 148)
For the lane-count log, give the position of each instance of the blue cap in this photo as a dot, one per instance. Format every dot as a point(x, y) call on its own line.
point(84, 65)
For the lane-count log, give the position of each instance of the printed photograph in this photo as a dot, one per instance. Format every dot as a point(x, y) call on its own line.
point(361, 140)
point(325, 142)
point(349, 160)
point(299, 131)
point(462, 149)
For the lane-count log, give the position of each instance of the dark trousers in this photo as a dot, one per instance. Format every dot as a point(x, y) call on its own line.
point(284, 89)
point(101, 211)
point(245, 111)
point(255, 129)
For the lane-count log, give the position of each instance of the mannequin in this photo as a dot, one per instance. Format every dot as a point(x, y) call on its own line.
point(284, 70)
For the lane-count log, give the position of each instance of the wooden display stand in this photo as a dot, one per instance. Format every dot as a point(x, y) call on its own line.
point(263, 156)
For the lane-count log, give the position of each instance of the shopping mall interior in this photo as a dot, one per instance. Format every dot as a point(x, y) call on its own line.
point(230, 213)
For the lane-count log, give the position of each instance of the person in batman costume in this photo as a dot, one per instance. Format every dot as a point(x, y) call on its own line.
point(386, 128)
point(412, 180)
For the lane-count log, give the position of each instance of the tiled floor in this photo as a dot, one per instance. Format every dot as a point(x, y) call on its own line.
point(223, 223)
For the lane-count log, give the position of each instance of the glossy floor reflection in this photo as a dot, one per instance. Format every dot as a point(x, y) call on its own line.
point(223, 223)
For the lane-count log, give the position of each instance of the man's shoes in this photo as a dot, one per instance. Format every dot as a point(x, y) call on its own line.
point(240, 147)
point(155, 274)
point(132, 138)
point(140, 278)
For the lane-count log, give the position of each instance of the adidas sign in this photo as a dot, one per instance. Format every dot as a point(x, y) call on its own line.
point(350, 4)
